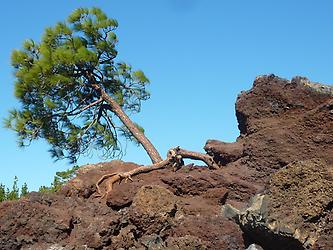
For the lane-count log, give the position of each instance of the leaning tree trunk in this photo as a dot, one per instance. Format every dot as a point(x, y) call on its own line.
point(138, 135)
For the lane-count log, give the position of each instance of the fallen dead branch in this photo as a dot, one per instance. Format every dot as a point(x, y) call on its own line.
point(175, 159)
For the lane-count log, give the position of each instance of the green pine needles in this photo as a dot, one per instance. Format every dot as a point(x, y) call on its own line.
point(59, 180)
point(14, 193)
point(59, 82)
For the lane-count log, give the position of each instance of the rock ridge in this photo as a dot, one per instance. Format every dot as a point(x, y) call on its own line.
point(273, 190)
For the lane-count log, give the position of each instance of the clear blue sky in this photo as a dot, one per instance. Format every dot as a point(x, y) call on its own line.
point(197, 54)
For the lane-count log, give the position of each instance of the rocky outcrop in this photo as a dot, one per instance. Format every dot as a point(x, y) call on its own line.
point(224, 152)
point(295, 209)
point(282, 121)
point(275, 182)
point(158, 210)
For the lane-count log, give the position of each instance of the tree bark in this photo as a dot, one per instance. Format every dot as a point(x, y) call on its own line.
point(198, 156)
point(138, 135)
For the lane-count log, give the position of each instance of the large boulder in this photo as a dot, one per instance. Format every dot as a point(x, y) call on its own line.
point(153, 209)
point(282, 121)
point(294, 211)
point(224, 152)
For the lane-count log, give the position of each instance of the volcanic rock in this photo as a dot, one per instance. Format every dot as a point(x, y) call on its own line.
point(295, 209)
point(275, 181)
point(224, 152)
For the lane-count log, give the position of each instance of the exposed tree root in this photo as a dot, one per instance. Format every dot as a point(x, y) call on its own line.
point(174, 158)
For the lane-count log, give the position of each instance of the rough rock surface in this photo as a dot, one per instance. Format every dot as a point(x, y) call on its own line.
point(153, 209)
point(281, 122)
point(295, 209)
point(224, 152)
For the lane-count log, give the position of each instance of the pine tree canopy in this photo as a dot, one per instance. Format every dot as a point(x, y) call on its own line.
point(59, 82)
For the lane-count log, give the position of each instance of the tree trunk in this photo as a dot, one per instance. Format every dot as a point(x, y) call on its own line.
point(138, 135)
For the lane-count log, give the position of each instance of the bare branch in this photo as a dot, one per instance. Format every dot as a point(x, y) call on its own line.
point(198, 156)
point(91, 104)
point(174, 158)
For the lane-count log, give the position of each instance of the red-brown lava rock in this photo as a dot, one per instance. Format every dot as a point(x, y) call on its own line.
point(280, 122)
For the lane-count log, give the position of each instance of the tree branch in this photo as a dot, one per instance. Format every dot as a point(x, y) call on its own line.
point(174, 158)
point(198, 156)
point(91, 104)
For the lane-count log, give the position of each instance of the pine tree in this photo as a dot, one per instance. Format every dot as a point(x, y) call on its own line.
point(59, 180)
point(2, 192)
point(24, 190)
point(14, 193)
point(75, 95)
point(72, 91)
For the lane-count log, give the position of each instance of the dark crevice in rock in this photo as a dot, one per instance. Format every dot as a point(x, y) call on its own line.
point(120, 226)
point(319, 217)
point(224, 198)
point(271, 241)
point(173, 212)
point(70, 226)
point(242, 122)
point(118, 207)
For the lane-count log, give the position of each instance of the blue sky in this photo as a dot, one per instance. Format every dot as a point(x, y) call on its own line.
point(197, 54)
